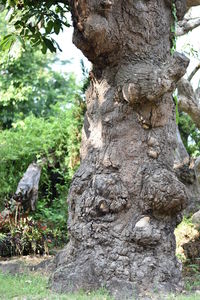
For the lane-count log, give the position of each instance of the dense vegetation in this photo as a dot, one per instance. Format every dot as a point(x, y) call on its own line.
point(190, 134)
point(34, 21)
point(41, 113)
point(37, 120)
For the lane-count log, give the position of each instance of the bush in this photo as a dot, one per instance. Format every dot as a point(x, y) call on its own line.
point(190, 134)
point(41, 114)
point(53, 142)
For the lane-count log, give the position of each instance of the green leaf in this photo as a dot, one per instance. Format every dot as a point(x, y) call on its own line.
point(49, 27)
point(44, 48)
point(49, 44)
point(20, 39)
point(57, 26)
point(7, 42)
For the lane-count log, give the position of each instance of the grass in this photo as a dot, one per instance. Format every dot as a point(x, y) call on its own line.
point(188, 297)
point(35, 287)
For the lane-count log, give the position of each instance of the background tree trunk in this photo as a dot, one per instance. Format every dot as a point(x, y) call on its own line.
point(125, 200)
point(189, 100)
point(187, 169)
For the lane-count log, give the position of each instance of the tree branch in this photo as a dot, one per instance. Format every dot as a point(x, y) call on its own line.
point(185, 26)
point(191, 3)
point(196, 69)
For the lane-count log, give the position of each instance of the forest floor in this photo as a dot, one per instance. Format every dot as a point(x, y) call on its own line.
point(26, 278)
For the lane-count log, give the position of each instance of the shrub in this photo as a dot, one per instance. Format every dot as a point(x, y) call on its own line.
point(53, 142)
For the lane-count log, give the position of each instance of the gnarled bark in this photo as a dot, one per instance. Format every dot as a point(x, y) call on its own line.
point(125, 200)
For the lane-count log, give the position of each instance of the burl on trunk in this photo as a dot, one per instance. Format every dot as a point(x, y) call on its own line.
point(125, 200)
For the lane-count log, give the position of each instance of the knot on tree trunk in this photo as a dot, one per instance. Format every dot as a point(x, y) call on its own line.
point(146, 232)
point(148, 82)
point(163, 193)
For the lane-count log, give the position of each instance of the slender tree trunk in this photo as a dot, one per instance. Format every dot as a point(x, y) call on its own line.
point(125, 200)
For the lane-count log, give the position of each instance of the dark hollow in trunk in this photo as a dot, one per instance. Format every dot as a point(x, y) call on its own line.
point(125, 200)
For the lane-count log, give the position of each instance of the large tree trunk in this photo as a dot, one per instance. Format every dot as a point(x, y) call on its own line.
point(125, 200)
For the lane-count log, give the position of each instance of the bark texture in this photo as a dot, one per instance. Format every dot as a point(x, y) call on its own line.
point(125, 200)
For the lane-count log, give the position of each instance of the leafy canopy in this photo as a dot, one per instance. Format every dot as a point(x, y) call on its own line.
point(29, 84)
point(41, 115)
point(35, 21)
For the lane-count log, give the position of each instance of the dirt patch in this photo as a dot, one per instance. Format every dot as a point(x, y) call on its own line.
point(23, 264)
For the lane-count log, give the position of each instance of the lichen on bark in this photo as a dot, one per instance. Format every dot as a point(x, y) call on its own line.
point(125, 200)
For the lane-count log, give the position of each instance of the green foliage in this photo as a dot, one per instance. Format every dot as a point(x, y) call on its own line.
point(28, 84)
point(34, 21)
point(190, 134)
point(192, 275)
point(41, 114)
point(175, 98)
point(55, 142)
point(22, 236)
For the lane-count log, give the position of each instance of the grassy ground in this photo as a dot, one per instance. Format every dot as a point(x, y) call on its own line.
point(191, 297)
point(35, 286)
